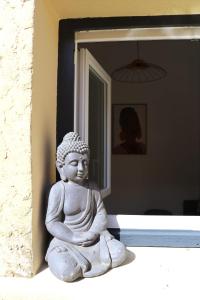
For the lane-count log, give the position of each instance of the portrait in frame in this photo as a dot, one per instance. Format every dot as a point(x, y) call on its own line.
point(129, 128)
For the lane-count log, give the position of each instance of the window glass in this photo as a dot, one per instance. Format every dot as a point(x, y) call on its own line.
point(97, 129)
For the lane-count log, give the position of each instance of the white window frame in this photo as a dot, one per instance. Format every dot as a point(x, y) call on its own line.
point(87, 62)
point(143, 222)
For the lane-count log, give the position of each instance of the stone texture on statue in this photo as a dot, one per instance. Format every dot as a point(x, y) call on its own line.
point(76, 218)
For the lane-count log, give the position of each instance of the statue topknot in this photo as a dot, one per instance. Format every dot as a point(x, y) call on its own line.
point(71, 137)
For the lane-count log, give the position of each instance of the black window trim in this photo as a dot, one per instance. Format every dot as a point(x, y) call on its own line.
point(65, 106)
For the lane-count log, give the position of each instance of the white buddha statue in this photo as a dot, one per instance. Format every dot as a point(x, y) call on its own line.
point(76, 218)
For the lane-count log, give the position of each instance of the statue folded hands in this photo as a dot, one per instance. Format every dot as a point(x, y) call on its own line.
point(76, 218)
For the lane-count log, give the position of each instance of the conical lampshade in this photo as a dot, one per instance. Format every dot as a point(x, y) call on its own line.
point(139, 71)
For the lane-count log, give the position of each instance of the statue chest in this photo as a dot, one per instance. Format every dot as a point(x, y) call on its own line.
point(75, 202)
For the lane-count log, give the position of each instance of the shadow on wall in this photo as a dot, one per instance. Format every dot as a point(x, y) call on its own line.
point(43, 235)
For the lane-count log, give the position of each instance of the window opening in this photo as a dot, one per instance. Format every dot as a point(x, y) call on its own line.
point(164, 181)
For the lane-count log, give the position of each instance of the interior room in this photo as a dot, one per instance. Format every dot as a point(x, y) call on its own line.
point(164, 178)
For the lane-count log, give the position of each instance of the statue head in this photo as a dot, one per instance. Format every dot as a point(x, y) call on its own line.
point(72, 158)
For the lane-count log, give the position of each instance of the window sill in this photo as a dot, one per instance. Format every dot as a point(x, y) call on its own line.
point(155, 273)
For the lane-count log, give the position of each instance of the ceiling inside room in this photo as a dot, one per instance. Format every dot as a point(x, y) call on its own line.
point(169, 55)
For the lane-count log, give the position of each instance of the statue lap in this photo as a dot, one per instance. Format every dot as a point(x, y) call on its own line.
point(67, 268)
point(63, 265)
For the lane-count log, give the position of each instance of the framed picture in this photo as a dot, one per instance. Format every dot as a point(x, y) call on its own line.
point(129, 128)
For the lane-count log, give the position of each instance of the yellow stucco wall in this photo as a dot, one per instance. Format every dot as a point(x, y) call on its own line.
point(16, 26)
point(43, 129)
point(108, 8)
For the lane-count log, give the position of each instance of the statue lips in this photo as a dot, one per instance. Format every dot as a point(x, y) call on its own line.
point(80, 175)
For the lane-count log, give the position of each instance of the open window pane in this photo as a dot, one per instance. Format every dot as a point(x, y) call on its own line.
point(93, 119)
point(97, 132)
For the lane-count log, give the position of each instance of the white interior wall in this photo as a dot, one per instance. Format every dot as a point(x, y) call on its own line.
point(170, 172)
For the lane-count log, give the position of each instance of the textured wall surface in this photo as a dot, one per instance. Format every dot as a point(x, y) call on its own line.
point(16, 29)
point(111, 8)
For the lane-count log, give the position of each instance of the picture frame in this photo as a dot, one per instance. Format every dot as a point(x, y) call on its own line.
point(129, 128)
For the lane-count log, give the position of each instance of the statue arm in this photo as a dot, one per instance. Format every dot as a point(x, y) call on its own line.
point(100, 220)
point(53, 221)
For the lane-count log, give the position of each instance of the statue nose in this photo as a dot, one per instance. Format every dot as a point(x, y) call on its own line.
point(80, 167)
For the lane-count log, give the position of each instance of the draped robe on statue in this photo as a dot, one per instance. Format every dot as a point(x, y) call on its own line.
point(94, 260)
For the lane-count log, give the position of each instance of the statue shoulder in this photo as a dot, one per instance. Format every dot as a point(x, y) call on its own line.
point(55, 202)
point(57, 188)
point(96, 193)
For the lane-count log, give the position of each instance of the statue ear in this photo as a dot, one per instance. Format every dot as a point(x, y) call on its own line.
point(58, 166)
point(60, 171)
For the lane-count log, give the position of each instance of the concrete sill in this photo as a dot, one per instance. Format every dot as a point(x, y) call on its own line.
point(153, 273)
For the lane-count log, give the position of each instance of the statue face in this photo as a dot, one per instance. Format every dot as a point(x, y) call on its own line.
point(76, 167)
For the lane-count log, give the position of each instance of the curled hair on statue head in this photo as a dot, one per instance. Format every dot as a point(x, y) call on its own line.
point(70, 143)
point(129, 122)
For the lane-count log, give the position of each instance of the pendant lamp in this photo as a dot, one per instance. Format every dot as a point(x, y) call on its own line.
point(139, 71)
